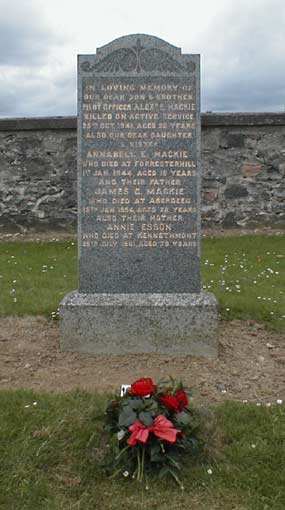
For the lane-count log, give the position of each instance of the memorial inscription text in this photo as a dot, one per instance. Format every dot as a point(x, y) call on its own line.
point(138, 162)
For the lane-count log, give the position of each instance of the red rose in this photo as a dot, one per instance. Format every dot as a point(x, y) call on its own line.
point(170, 402)
point(142, 387)
point(182, 399)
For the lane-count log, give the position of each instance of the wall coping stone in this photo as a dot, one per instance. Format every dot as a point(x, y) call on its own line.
point(37, 123)
point(209, 119)
point(243, 119)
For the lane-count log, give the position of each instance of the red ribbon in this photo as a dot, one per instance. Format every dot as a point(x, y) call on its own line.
point(161, 427)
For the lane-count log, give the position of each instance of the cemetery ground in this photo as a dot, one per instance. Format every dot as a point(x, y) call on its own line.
point(245, 273)
point(51, 445)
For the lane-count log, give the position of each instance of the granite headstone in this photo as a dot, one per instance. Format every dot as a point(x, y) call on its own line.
point(139, 203)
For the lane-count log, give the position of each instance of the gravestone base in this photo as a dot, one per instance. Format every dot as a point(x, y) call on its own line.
point(139, 323)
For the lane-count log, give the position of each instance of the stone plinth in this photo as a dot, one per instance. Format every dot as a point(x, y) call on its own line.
point(137, 323)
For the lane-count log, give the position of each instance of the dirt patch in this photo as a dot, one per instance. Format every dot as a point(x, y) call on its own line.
point(46, 236)
point(250, 365)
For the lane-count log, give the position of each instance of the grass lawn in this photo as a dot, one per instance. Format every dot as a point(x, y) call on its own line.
point(35, 276)
point(51, 451)
point(51, 445)
point(247, 275)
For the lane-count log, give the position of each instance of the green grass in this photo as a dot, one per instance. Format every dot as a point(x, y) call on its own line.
point(247, 274)
point(35, 276)
point(51, 454)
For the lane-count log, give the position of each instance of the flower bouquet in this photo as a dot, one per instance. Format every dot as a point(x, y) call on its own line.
point(151, 428)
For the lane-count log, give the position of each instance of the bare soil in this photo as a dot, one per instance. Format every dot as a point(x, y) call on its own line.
point(250, 365)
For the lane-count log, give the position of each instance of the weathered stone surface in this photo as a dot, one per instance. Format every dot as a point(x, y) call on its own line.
point(251, 169)
point(233, 140)
point(136, 323)
point(38, 185)
point(38, 179)
point(252, 172)
point(139, 168)
point(236, 191)
point(210, 195)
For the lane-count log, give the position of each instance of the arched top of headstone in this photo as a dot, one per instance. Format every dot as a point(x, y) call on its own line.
point(147, 41)
point(139, 53)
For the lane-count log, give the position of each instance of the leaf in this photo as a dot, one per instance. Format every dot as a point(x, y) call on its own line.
point(152, 406)
point(136, 404)
point(127, 417)
point(173, 462)
point(125, 402)
point(146, 418)
point(194, 445)
point(155, 453)
point(183, 418)
point(175, 477)
point(163, 472)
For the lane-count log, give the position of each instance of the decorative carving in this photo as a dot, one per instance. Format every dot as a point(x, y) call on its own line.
point(137, 59)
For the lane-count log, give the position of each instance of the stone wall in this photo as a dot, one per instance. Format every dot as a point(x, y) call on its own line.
point(243, 164)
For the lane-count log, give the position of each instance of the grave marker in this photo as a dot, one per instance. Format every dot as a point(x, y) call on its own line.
point(139, 203)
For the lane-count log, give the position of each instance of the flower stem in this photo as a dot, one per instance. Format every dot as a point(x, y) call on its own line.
point(142, 464)
point(139, 465)
point(146, 482)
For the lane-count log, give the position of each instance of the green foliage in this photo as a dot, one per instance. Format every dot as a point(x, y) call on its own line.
point(146, 418)
point(183, 418)
point(151, 454)
point(127, 416)
point(52, 454)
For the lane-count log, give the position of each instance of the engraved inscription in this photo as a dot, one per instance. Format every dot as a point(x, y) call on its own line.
point(141, 191)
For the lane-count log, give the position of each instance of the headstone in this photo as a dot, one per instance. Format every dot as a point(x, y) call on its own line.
point(139, 204)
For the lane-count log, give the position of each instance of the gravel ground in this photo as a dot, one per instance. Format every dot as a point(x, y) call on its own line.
point(250, 365)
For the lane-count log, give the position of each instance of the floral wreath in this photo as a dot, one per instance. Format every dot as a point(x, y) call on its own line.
point(151, 427)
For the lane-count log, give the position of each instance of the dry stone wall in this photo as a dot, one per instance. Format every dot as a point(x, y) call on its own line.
point(243, 167)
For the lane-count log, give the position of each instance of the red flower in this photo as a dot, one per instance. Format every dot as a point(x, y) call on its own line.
point(142, 387)
point(170, 402)
point(182, 399)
